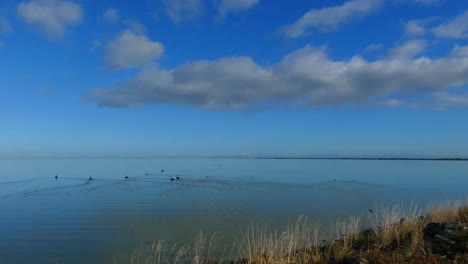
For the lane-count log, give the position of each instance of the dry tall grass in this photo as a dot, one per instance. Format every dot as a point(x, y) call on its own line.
point(396, 225)
point(448, 211)
point(391, 228)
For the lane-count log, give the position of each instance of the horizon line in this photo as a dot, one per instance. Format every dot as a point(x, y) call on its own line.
point(266, 157)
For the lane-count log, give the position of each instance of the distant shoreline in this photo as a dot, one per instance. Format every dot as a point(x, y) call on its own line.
point(411, 159)
point(243, 158)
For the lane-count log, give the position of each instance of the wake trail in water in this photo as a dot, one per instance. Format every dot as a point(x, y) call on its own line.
point(44, 190)
point(21, 181)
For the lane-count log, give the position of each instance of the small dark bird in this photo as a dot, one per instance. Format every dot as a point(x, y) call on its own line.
point(172, 179)
point(177, 178)
point(146, 174)
point(126, 177)
point(90, 178)
point(56, 176)
point(334, 180)
point(370, 211)
point(162, 171)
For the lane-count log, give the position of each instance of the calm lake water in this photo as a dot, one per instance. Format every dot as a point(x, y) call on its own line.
point(80, 221)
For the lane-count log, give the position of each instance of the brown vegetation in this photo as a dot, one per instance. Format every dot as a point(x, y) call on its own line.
point(386, 235)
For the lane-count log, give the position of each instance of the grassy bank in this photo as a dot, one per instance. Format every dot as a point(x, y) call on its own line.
point(398, 234)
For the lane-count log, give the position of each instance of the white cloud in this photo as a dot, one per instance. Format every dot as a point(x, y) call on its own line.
point(51, 17)
point(330, 18)
point(456, 28)
point(305, 78)
point(5, 26)
point(408, 50)
point(180, 10)
point(111, 15)
point(132, 49)
point(232, 6)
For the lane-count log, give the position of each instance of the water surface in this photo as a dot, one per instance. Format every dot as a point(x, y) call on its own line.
point(80, 221)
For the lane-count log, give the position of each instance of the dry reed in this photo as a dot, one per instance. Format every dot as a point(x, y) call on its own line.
point(391, 228)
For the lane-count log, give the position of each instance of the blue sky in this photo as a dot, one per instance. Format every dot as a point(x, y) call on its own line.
point(233, 78)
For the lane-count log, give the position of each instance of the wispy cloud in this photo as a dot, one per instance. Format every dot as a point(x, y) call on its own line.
point(232, 6)
point(439, 100)
point(132, 48)
point(305, 78)
point(428, 2)
point(96, 44)
point(418, 27)
point(446, 99)
point(457, 28)
point(459, 51)
point(330, 18)
point(111, 15)
point(51, 17)
point(46, 92)
point(408, 50)
point(373, 48)
point(181, 10)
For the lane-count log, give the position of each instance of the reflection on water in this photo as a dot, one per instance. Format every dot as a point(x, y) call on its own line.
point(82, 221)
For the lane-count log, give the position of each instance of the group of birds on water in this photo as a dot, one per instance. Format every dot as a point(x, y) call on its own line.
point(126, 177)
point(174, 179)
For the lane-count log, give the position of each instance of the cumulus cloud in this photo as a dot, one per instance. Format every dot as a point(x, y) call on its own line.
point(330, 18)
point(5, 26)
point(305, 78)
point(232, 6)
point(51, 17)
point(132, 49)
point(111, 15)
point(456, 28)
point(180, 10)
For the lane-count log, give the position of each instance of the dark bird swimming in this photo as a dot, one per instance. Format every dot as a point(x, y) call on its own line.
point(90, 178)
point(56, 176)
point(370, 210)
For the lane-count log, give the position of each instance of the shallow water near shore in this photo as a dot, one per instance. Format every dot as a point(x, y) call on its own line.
point(80, 221)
